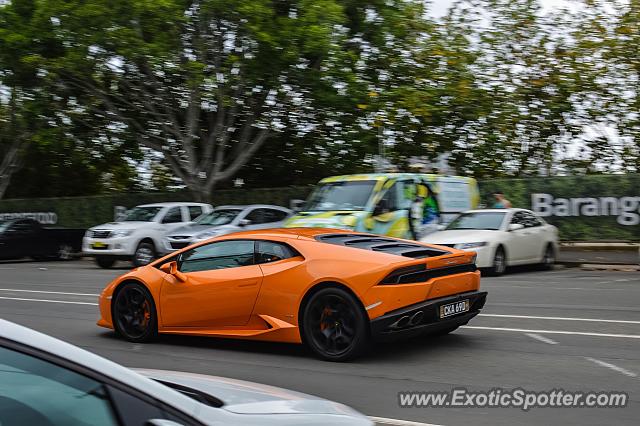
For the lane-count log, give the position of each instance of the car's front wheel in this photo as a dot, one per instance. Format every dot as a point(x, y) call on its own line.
point(499, 264)
point(144, 254)
point(134, 313)
point(334, 325)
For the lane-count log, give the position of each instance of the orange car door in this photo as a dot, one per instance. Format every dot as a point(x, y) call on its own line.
point(220, 287)
point(280, 265)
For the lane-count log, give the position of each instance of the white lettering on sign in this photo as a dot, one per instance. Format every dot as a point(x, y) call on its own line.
point(45, 218)
point(627, 209)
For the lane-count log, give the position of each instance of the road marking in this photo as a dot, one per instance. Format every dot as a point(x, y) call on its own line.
point(49, 292)
point(612, 366)
point(48, 301)
point(559, 318)
point(396, 422)
point(542, 338)
point(577, 333)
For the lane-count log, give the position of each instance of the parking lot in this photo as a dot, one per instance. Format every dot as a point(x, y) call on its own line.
point(567, 328)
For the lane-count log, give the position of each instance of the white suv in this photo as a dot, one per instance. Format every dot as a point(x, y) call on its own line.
point(138, 235)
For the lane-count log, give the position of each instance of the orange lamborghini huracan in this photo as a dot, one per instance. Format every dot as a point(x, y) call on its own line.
point(330, 289)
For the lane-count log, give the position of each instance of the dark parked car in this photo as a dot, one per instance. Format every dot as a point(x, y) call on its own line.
point(28, 238)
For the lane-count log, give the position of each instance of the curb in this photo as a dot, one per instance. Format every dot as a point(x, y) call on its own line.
point(604, 267)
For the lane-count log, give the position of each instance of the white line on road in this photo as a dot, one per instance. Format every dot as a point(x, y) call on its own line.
point(48, 301)
point(542, 338)
point(559, 318)
point(612, 366)
point(577, 333)
point(49, 292)
point(395, 422)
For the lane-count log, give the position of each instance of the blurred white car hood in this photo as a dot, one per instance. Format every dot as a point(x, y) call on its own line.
point(456, 236)
point(243, 397)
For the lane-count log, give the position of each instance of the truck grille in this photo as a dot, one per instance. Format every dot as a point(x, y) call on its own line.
point(100, 234)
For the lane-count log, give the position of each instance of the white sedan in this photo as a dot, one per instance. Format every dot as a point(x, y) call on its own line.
point(501, 237)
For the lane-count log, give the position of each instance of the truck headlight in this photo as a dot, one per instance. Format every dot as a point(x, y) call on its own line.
point(465, 246)
point(121, 233)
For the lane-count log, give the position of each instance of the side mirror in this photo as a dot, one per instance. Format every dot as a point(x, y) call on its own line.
point(515, 227)
point(172, 269)
point(244, 222)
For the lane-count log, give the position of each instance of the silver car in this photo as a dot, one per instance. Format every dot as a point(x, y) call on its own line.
point(47, 382)
point(225, 220)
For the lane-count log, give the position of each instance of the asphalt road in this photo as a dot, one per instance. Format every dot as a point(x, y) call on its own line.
point(567, 329)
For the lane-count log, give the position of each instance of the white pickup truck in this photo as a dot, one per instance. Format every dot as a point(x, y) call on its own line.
point(138, 235)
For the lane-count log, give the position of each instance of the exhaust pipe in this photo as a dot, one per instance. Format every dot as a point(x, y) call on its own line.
point(403, 322)
point(416, 318)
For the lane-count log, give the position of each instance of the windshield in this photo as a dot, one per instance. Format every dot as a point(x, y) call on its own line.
point(219, 217)
point(346, 195)
point(141, 214)
point(478, 220)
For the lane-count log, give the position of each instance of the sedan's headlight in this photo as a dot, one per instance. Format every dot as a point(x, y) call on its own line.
point(121, 233)
point(206, 234)
point(464, 246)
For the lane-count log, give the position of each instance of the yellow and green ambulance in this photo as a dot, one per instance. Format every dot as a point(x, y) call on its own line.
point(405, 205)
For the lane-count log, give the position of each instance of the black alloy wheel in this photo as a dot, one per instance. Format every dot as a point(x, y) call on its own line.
point(334, 325)
point(134, 313)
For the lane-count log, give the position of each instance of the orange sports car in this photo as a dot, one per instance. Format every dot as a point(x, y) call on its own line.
point(332, 290)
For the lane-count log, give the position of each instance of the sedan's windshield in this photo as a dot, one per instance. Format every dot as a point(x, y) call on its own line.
point(478, 220)
point(141, 214)
point(219, 217)
point(349, 195)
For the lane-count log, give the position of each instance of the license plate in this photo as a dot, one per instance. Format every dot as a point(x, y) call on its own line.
point(98, 245)
point(454, 308)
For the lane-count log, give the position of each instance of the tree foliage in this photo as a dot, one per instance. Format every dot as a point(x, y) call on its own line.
point(139, 94)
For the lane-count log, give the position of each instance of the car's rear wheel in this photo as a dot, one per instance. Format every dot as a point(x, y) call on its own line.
point(334, 325)
point(134, 313)
point(64, 252)
point(499, 264)
point(144, 254)
point(549, 258)
point(105, 261)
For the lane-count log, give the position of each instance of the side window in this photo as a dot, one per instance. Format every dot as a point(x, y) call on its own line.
point(389, 201)
point(194, 212)
point(269, 251)
point(271, 215)
point(174, 215)
point(219, 255)
point(256, 216)
point(37, 392)
point(530, 220)
point(518, 217)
